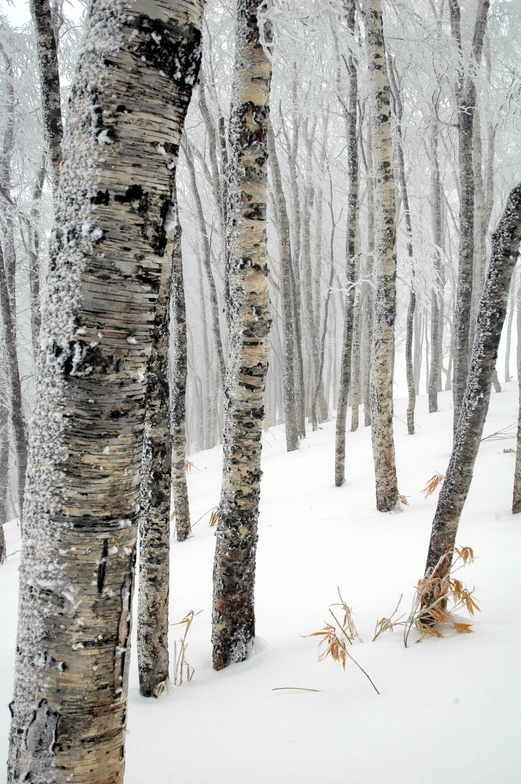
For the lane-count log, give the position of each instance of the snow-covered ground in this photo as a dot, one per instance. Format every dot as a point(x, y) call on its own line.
point(448, 710)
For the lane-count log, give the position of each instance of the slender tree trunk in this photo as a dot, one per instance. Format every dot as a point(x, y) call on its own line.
point(49, 83)
point(207, 259)
point(480, 227)
point(8, 287)
point(437, 305)
point(466, 100)
point(178, 394)
point(409, 332)
point(368, 311)
point(4, 473)
point(382, 356)
point(154, 521)
point(516, 500)
point(511, 309)
point(351, 249)
point(15, 387)
point(233, 619)
point(78, 550)
point(356, 355)
point(288, 324)
point(492, 311)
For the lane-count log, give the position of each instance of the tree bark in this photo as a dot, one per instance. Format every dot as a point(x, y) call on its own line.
point(351, 250)
point(492, 311)
point(178, 394)
point(511, 309)
point(437, 303)
point(128, 101)
point(466, 102)
point(288, 324)
point(49, 83)
point(154, 521)
point(8, 287)
point(382, 356)
point(207, 259)
point(409, 332)
point(233, 619)
point(15, 387)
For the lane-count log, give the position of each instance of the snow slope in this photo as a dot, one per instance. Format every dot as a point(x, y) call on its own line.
point(448, 710)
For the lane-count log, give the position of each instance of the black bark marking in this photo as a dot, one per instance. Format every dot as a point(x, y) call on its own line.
point(169, 48)
point(102, 197)
point(102, 568)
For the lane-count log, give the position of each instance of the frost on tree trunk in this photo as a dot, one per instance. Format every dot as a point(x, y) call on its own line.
point(352, 223)
point(466, 101)
point(50, 83)
point(233, 618)
point(154, 522)
point(382, 356)
point(178, 393)
point(128, 101)
point(492, 310)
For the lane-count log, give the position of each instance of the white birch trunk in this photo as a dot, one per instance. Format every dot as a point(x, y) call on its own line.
point(233, 620)
point(382, 356)
point(128, 102)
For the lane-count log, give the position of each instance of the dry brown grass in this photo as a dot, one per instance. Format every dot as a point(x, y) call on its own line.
point(335, 637)
point(429, 609)
point(180, 662)
point(432, 484)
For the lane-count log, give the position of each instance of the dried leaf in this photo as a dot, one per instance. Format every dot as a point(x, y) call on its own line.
point(432, 484)
point(463, 628)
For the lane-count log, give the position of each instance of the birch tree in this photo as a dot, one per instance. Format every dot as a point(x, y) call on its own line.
point(233, 619)
point(47, 46)
point(128, 101)
point(178, 394)
point(492, 311)
point(466, 102)
point(382, 355)
point(351, 114)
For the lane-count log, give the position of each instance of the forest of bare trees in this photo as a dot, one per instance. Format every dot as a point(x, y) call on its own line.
point(259, 213)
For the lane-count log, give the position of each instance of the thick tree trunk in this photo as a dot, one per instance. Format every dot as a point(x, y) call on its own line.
point(233, 616)
point(49, 83)
point(351, 249)
point(129, 98)
point(382, 356)
point(178, 394)
point(288, 324)
point(492, 310)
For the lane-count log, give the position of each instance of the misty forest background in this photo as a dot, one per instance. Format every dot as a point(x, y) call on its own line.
point(308, 181)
